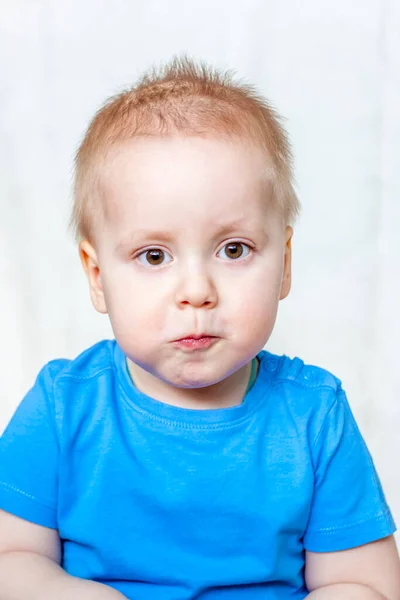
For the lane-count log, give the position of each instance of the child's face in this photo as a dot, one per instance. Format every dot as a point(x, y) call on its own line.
point(191, 247)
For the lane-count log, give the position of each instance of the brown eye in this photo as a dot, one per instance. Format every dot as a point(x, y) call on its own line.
point(154, 257)
point(234, 250)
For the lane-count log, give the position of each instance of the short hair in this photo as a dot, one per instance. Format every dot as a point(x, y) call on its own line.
point(183, 98)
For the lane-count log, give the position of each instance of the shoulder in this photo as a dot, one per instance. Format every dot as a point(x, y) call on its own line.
point(73, 389)
point(63, 380)
point(307, 392)
point(91, 363)
point(294, 372)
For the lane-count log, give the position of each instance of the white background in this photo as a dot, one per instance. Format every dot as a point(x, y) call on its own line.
point(332, 68)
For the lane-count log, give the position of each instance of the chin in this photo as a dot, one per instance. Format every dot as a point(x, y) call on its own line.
point(196, 385)
point(190, 379)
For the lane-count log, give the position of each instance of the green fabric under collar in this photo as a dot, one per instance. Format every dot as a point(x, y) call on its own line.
point(253, 374)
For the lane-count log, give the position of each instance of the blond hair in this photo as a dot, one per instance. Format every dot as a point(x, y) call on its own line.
point(181, 98)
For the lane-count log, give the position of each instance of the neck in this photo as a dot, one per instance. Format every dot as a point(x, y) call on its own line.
point(224, 394)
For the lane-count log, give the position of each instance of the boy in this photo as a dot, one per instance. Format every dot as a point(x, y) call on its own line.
point(182, 461)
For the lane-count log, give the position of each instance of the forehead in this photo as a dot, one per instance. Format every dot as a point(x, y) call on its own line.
point(165, 179)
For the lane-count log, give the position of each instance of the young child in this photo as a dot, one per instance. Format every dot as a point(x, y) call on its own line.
point(182, 461)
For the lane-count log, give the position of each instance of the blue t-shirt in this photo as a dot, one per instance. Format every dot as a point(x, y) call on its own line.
point(169, 503)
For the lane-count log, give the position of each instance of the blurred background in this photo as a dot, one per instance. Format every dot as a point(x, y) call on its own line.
point(331, 68)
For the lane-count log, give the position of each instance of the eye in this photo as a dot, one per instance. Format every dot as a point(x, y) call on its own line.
point(235, 250)
point(154, 257)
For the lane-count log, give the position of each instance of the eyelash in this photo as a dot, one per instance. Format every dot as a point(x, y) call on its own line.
point(143, 253)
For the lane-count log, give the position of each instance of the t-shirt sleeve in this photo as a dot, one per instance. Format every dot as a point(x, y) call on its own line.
point(348, 508)
point(29, 452)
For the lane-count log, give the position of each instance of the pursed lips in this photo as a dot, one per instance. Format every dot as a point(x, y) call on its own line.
point(193, 336)
point(195, 341)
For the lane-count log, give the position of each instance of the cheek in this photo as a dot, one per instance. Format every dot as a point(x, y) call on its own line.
point(254, 304)
point(131, 304)
point(255, 314)
point(136, 306)
point(135, 311)
point(259, 291)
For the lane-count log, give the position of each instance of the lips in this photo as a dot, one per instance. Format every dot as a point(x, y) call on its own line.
point(195, 337)
point(196, 342)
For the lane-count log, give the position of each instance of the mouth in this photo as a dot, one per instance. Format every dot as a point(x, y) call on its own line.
point(196, 342)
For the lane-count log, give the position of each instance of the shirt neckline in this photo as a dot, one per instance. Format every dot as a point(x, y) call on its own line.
point(196, 417)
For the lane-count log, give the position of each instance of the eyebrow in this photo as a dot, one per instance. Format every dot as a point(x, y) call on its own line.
point(139, 234)
point(165, 236)
point(230, 227)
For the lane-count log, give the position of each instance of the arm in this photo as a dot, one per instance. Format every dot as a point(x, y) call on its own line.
point(369, 572)
point(345, 591)
point(30, 557)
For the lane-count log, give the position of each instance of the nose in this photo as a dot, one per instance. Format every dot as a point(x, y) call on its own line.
point(196, 288)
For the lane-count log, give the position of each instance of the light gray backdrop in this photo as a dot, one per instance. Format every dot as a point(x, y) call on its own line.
point(332, 68)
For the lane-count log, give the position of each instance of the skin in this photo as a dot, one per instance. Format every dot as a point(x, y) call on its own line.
point(189, 191)
point(188, 199)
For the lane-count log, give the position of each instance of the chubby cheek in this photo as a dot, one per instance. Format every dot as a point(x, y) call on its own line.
point(254, 310)
point(254, 320)
point(135, 314)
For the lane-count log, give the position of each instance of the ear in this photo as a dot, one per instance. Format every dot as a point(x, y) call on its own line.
point(90, 265)
point(287, 266)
